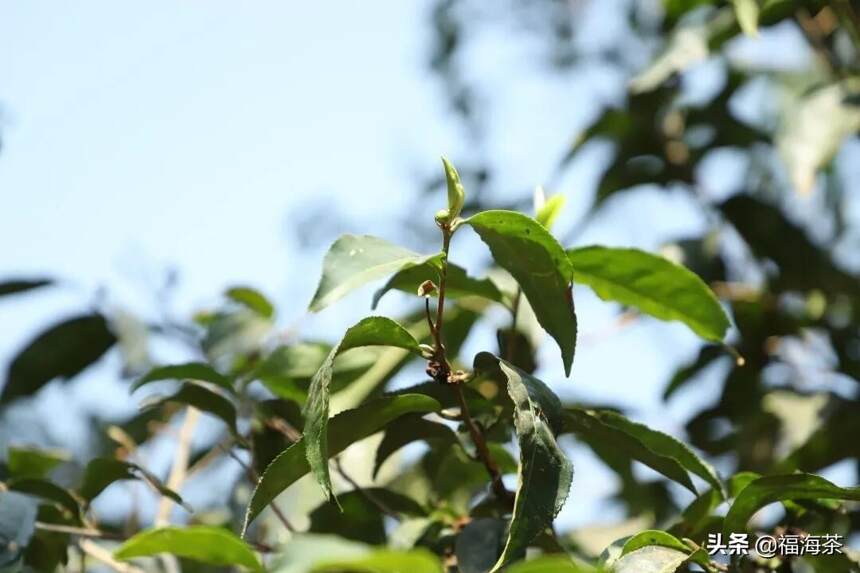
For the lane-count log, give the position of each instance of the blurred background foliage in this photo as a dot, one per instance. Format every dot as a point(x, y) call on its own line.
point(740, 115)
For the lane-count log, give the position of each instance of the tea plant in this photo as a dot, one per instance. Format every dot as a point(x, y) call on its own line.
point(459, 508)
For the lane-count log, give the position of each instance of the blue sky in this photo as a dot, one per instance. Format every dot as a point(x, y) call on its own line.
point(139, 138)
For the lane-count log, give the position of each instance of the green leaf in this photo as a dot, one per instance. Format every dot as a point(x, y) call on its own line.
point(46, 490)
point(479, 544)
point(62, 351)
point(769, 489)
point(102, 472)
point(344, 429)
point(22, 285)
point(252, 299)
point(548, 210)
point(545, 473)
point(372, 331)
point(458, 283)
point(661, 452)
point(188, 371)
point(550, 564)
point(213, 545)
point(456, 194)
point(594, 431)
point(386, 561)
point(655, 537)
point(203, 399)
point(650, 559)
point(689, 371)
point(408, 429)
point(524, 248)
point(33, 463)
point(651, 284)
point(355, 260)
point(360, 516)
point(746, 11)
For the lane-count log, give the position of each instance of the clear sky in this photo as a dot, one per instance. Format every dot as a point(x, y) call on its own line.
point(187, 135)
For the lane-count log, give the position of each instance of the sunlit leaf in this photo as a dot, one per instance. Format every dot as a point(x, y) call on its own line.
point(650, 559)
point(651, 284)
point(372, 331)
point(252, 299)
point(746, 11)
point(344, 429)
point(524, 248)
point(355, 260)
point(213, 545)
point(62, 351)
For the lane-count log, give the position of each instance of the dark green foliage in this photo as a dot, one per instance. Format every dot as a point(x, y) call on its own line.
point(62, 351)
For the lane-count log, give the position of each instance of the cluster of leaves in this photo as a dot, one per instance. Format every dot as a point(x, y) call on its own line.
point(465, 518)
point(487, 424)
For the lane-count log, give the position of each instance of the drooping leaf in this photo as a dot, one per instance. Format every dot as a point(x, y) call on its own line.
point(355, 260)
point(386, 561)
point(549, 209)
point(769, 489)
point(102, 472)
point(458, 283)
point(344, 429)
point(372, 331)
point(17, 524)
point(204, 400)
point(651, 284)
point(22, 285)
point(524, 248)
point(659, 451)
point(33, 463)
point(213, 545)
point(188, 371)
point(62, 351)
point(545, 473)
point(650, 559)
point(408, 429)
point(252, 299)
point(46, 490)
